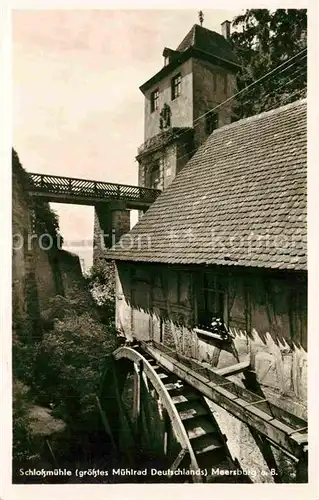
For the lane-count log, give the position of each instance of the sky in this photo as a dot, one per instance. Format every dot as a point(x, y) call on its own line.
point(77, 107)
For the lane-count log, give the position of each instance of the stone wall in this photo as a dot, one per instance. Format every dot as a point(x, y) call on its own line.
point(20, 225)
point(37, 274)
point(181, 107)
point(70, 274)
point(111, 221)
point(212, 85)
point(170, 159)
point(203, 87)
point(44, 276)
point(166, 161)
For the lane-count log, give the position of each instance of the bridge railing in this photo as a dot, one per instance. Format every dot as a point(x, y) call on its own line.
point(55, 184)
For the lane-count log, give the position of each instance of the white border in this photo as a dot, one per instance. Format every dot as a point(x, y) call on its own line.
point(265, 491)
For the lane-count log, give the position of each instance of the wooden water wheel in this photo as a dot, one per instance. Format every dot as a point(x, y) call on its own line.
point(161, 424)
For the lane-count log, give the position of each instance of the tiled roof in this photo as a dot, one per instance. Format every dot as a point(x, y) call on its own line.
point(199, 43)
point(208, 41)
point(241, 200)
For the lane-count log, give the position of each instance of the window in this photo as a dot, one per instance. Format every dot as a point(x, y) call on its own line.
point(211, 300)
point(211, 122)
point(183, 281)
point(154, 175)
point(166, 61)
point(176, 86)
point(154, 100)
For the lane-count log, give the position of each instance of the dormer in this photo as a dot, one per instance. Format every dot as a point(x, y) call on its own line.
point(169, 55)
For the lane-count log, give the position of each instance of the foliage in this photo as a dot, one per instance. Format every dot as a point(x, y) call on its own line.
point(262, 41)
point(165, 117)
point(63, 368)
point(23, 442)
point(64, 371)
point(69, 365)
point(23, 359)
point(101, 283)
point(44, 219)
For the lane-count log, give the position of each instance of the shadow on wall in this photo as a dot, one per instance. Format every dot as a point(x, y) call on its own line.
point(266, 319)
point(262, 304)
point(37, 274)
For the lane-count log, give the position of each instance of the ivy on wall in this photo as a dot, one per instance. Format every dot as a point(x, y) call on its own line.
point(165, 117)
point(44, 220)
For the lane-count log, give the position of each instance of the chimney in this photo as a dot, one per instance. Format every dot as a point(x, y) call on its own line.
point(226, 29)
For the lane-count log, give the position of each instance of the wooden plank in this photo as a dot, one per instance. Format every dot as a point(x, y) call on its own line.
point(51, 453)
point(250, 398)
point(233, 369)
point(179, 429)
point(198, 366)
point(136, 392)
point(137, 403)
point(198, 427)
point(167, 432)
point(254, 399)
point(286, 417)
point(105, 422)
point(238, 407)
point(192, 409)
point(178, 460)
point(122, 413)
point(145, 408)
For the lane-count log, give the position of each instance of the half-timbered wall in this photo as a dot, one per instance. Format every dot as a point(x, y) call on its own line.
point(266, 314)
point(264, 311)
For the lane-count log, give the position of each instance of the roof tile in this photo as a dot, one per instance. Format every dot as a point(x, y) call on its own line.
point(242, 195)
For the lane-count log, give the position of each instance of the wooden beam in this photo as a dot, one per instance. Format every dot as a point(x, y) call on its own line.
point(105, 422)
point(178, 460)
point(233, 369)
point(121, 410)
point(297, 424)
point(51, 453)
point(179, 429)
point(167, 432)
point(265, 423)
point(145, 408)
point(136, 391)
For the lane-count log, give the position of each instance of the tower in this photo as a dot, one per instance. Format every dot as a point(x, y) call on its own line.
point(196, 77)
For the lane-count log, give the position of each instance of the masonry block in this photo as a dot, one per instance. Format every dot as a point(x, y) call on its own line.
point(111, 221)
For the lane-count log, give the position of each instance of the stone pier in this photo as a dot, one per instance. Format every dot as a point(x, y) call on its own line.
point(111, 221)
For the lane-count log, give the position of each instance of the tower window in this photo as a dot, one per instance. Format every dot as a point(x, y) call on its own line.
point(154, 175)
point(154, 100)
point(176, 86)
point(211, 122)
